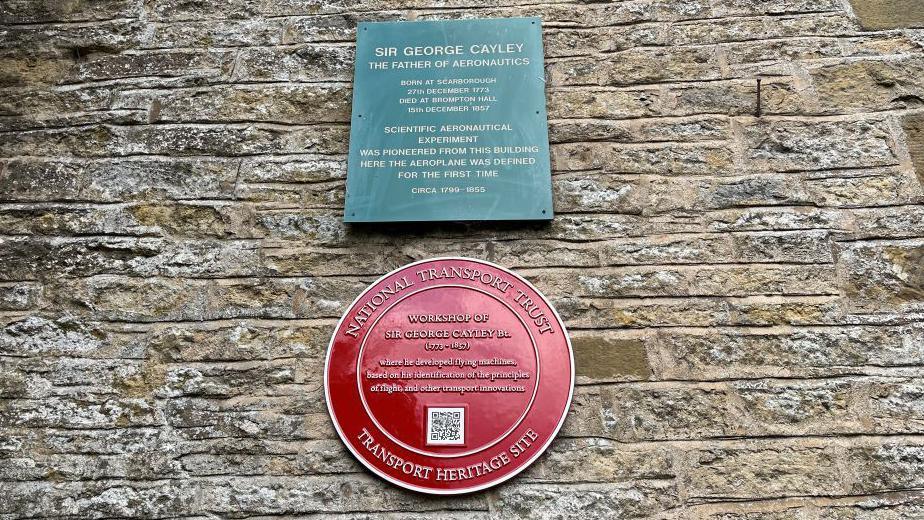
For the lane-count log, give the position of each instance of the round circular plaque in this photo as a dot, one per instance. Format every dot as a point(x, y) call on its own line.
point(449, 375)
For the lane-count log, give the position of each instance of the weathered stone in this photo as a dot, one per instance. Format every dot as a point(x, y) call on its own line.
point(778, 96)
point(651, 159)
point(914, 133)
point(600, 460)
point(869, 85)
point(741, 285)
point(635, 66)
point(788, 352)
point(117, 180)
point(607, 104)
point(659, 412)
point(20, 296)
point(887, 466)
point(180, 139)
point(883, 276)
point(25, 11)
point(169, 299)
point(812, 407)
point(796, 145)
point(304, 63)
point(298, 104)
point(764, 470)
point(898, 406)
point(888, 14)
point(583, 500)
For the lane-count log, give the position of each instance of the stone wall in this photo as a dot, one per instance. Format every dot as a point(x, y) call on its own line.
point(745, 290)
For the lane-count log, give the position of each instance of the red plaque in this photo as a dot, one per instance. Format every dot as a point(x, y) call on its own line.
point(449, 375)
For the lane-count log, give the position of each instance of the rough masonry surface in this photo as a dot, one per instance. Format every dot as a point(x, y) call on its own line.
point(745, 289)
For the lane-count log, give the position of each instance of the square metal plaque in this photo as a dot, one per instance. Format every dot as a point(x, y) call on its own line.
point(449, 122)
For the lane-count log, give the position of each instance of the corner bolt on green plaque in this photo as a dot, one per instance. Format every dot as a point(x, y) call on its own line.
point(449, 122)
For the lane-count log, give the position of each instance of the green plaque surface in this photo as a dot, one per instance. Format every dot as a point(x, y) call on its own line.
point(449, 122)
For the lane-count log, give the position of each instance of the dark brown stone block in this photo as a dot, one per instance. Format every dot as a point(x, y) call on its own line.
point(599, 357)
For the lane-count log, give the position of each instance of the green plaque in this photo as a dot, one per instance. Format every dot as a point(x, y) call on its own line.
point(449, 122)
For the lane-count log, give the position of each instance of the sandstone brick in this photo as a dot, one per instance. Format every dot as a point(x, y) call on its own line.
point(887, 14)
point(183, 140)
point(651, 159)
point(788, 352)
point(763, 470)
point(294, 104)
point(563, 14)
point(580, 501)
point(215, 33)
point(646, 130)
point(226, 341)
point(24, 11)
point(914, 133)
point(894, 222)
point(174, 10)
point(635, 66)
point(117, 180)
point(604, 103)
point(887, 466)
point(697, 312)
point(860, 189)
point(302, 417)
point(58, 412)
point(303, 63)
point(776, 7)
point(64, 336)
point(102, 499)
point(895, 506)
point(789, 49)
point(20, 296)
point(196, 64)
point(898, 406)
point(526, 253)
point(795, 145)
point(333, 27)
point(169, 299)
point(323, 458)
point(868, 85)
point(31, 257)
point(606, 357)
point(752, 27)
point(812, 220)
point(686, 281)
point(602, 193)
point(882, 276)
point(600, 460)
point(813, 407)
point(32, 109)
point(779, 95)
point(578, 42)
point(662, 412)
point(35, 69)
point(81, 39)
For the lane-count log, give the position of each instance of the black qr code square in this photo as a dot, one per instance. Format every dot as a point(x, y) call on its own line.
point(446, 426)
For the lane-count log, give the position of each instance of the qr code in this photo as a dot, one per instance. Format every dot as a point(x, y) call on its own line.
point(446, 426)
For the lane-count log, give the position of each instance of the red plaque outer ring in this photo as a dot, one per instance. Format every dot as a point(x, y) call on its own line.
point(508, 422)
